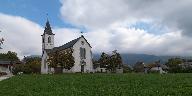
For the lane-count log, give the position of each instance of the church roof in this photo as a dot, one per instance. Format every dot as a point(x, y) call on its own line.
point(67, 45)
point(48, 29)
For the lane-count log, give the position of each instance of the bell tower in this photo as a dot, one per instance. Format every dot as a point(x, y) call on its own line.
point(47, 44)
point(47, 37)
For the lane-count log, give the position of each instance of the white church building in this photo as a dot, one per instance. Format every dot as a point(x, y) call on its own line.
point(80, 48)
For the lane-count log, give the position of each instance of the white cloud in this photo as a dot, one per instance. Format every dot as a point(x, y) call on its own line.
point(130, 40)
point(174, 14)
point(20, 34)
point(108, 21)
point(64, 35)
point(24, 36)
point(108, 24)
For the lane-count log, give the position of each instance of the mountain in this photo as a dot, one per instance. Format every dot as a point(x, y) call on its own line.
point(131, 59)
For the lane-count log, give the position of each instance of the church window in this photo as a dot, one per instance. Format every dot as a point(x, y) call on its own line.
point(82, 42)
point(91, 54)
point(43, 40)
point(82, 53)
point(49, 39)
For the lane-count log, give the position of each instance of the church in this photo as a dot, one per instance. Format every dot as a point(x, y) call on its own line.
point(80, 48)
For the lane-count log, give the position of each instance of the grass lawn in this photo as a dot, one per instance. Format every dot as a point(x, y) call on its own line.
point(98, 85)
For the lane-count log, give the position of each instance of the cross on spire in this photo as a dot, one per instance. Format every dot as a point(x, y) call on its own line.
point(47, 16)
point(48, 29)
point(81, 33)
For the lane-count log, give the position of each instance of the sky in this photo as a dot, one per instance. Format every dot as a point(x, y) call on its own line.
point(157, 27)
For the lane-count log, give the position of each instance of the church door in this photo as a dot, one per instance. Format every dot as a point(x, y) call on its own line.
point(83, 63)
point(82, 68)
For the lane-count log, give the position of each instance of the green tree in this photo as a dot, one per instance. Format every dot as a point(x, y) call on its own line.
point(115, 61)
point(174, 62)
point(126, 68)
point(64, 59)
point(34, 64)
point(53, 59)
point(31, 65)
point(104, 61)
point(11, 56)
point(110, 62)
point(95, 63)
point(173, 65)
point(31, 59)
point(138, 67)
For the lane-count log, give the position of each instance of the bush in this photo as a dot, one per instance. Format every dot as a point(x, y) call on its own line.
point(139, 67)
point(126, 69)
point(179, 69)
point(153, 71)
point(3, 73)
point(26, 68)
point(17, 68)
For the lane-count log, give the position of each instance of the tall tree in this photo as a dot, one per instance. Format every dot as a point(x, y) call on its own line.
point(69, 60)
point(139, 67)
point(173, 64)
point(53, 59)
point(104, 60)
point(111, 62)
point(64, 59)
point(33, 64)
point(116, 61)
point(30, 65)
point(12, 56)
point(31, 59)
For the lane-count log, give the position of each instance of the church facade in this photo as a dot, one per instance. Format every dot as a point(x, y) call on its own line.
point(80, 48)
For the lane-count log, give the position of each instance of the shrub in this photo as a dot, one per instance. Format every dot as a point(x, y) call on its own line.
point(26, 68)
point(3, 73)
point(17, 68)
point(126, 69)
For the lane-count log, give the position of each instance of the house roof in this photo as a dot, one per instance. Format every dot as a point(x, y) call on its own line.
point(156, 65)
point(67, 45)
point(6, 62)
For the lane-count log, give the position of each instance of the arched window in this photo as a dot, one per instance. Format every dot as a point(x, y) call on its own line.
point(49, 39)
point(43, 40)
point(82, 53)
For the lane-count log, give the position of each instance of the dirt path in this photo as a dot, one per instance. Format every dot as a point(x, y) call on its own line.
point(5, 77)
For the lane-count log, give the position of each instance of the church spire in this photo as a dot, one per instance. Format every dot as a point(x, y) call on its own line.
point(48, 29)
point(48, 25)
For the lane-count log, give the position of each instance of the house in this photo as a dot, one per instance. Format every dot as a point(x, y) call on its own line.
point(160, 68)
point(80, 48)
point(6, 66)
point(101, 70)
point(185, 65)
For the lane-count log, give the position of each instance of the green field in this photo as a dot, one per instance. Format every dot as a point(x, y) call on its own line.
point(98, 85)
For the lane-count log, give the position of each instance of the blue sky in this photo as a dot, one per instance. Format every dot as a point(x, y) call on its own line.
point(149, 27)
point(35, 10)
